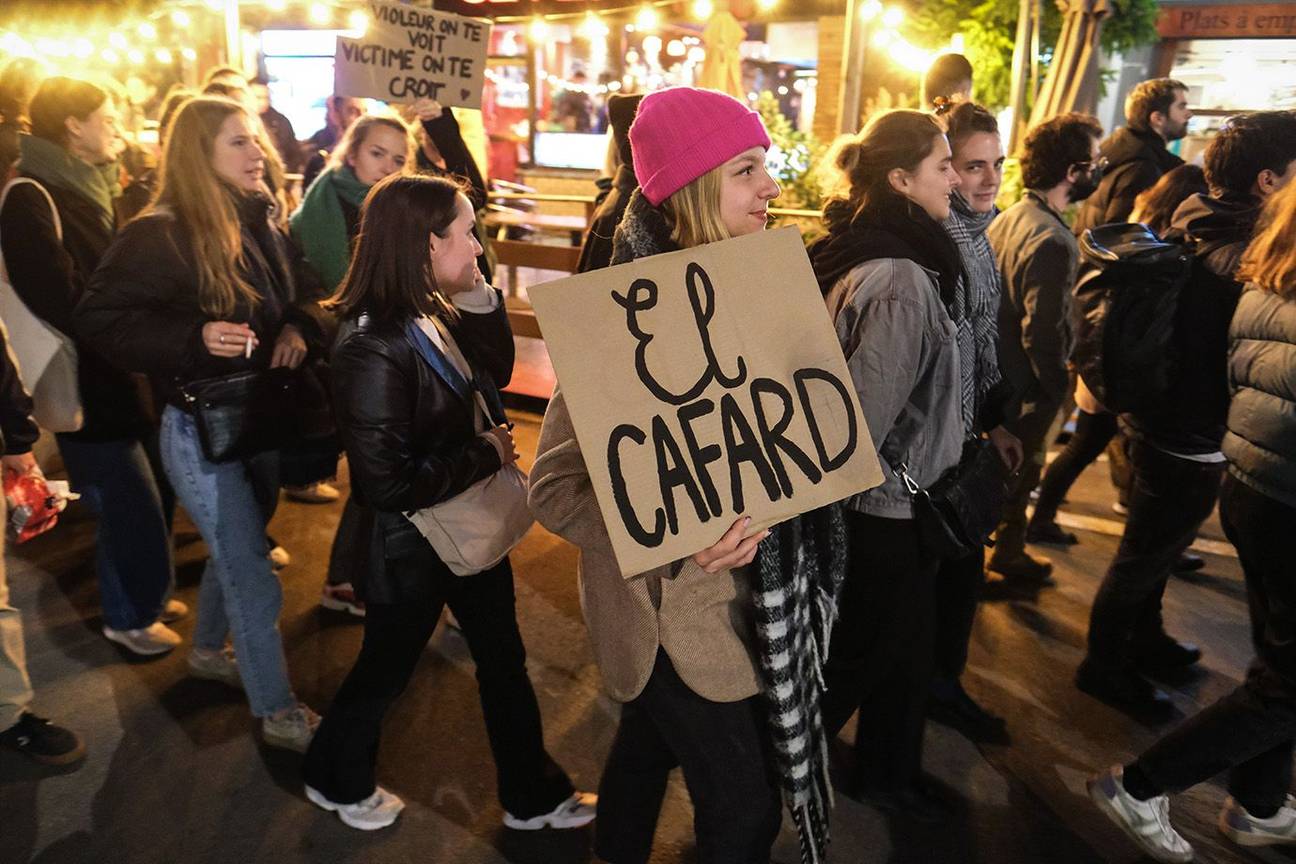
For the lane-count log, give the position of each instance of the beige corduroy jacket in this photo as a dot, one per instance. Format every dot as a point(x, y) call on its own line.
point(703, 621)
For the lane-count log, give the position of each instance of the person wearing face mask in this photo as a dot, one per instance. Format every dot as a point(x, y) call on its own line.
point(1038, 258)
point(890, 274)
point(203, 286)
point(324, 227)
point(1156, 113)
point(425, 344)
point(676, 645)
point(984, 399)
point(51, 246)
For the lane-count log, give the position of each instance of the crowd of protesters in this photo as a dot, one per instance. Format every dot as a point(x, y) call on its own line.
point(364, 305)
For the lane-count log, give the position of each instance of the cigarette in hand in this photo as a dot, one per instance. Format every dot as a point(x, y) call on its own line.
point(247, 349)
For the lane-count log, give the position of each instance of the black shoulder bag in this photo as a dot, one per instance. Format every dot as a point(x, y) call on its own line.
point(957, 513)
point(246, 413)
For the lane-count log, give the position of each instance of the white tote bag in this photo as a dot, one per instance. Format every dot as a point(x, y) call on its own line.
point(47, 359)
point(476, 529)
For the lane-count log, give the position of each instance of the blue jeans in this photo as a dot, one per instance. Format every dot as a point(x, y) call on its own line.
point(240, 594)
point(133, 544)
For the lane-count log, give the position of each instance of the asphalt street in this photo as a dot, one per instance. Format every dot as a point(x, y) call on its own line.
point(175, 772)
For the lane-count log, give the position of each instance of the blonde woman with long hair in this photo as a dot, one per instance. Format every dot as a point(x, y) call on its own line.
point(201, 286)
point(680, 646)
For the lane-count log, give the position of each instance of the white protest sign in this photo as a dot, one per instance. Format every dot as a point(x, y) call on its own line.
point(705, 385)
point(409, 53)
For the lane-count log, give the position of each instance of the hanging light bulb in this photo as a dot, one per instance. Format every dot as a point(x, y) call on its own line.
point(110, 56)
point(539, 30)
point(869, 10)
point(276, 5)
point(146, 31)
point(180, 18)
point(189, 54)
point(358, 22)
point(320, 14)
point(593, 28)
point(766, 5)
point(118, 41)
point(82, 48)
point(647, 20)
point(893, 17)
point(703, 9)
point(135, 56)
point(163, 56)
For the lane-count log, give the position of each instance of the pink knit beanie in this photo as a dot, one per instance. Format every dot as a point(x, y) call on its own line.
point(681, 133)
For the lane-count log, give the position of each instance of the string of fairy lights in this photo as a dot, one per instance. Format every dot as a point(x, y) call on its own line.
point(160, 37)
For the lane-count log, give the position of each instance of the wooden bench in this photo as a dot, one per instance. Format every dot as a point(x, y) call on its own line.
point(516, 253)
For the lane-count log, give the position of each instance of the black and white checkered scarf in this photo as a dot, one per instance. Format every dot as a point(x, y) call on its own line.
point(799, 571)
point(975, 309)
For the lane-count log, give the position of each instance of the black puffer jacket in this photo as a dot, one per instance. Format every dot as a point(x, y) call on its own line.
point(409, 437)
point(1135, 162)
point(141, 310)
point(50, 276)
point(1190, 420)
point(1261, 439)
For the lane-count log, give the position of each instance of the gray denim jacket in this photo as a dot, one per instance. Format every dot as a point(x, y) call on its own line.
point(902, 354)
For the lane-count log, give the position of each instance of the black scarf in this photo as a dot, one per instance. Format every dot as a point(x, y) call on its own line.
point(893, 227)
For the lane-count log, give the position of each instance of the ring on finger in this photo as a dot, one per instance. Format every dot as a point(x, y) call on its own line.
point(222, 338)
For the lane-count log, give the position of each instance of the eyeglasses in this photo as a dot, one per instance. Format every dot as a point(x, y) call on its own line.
point(1099, 164)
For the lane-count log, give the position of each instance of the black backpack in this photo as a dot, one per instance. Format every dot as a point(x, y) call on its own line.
point(1124, 312)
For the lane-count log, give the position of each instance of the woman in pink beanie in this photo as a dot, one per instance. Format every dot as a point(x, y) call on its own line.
point(675, 645)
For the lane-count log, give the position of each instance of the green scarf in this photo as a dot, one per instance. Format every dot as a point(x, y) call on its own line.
point(53, 165)
point(319, 227)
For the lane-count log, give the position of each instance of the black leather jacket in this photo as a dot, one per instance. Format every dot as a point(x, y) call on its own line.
point(409, 438)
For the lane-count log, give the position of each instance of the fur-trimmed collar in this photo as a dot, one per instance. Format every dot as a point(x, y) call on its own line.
point(643, 231)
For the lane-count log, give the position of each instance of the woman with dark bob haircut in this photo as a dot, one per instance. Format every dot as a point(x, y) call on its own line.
point(422, 335)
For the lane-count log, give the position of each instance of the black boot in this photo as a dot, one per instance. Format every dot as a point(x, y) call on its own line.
point(951, 706)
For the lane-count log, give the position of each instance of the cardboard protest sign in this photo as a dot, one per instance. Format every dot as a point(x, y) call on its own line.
point(705, 385)
point(409, 53)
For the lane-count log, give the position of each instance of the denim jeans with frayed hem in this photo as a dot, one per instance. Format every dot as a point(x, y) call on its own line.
point(240, 593)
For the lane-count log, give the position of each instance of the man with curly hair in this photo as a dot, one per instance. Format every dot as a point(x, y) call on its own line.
point(1038, 257)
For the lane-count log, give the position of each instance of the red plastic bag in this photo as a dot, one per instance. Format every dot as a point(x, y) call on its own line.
point(34, 503)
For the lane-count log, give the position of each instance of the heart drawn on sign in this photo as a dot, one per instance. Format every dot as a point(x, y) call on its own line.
point(464, 94)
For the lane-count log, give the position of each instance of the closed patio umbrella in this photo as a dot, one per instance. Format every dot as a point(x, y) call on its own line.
point(1072, 80)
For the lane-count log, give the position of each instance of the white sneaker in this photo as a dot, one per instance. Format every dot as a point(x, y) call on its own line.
point(293, 731)
point(580, 809)
point(1146, 822)
point(315, 493)
point(157, 638)
point(279, 557)
point(377, 811)
point(342, 598)
point(215, 666)
point(1246, 830)
point(173, 611)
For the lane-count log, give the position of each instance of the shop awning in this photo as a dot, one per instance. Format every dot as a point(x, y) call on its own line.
point(1072, 80)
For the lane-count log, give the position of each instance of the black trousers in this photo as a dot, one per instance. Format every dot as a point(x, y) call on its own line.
point(1032, 427)
point(725, 751)
point(349, 558)
point(341, 760)
point(1249, 732)
point(880, 658)
point(1092, 434)
point(957, 591)
point(1169, 500)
